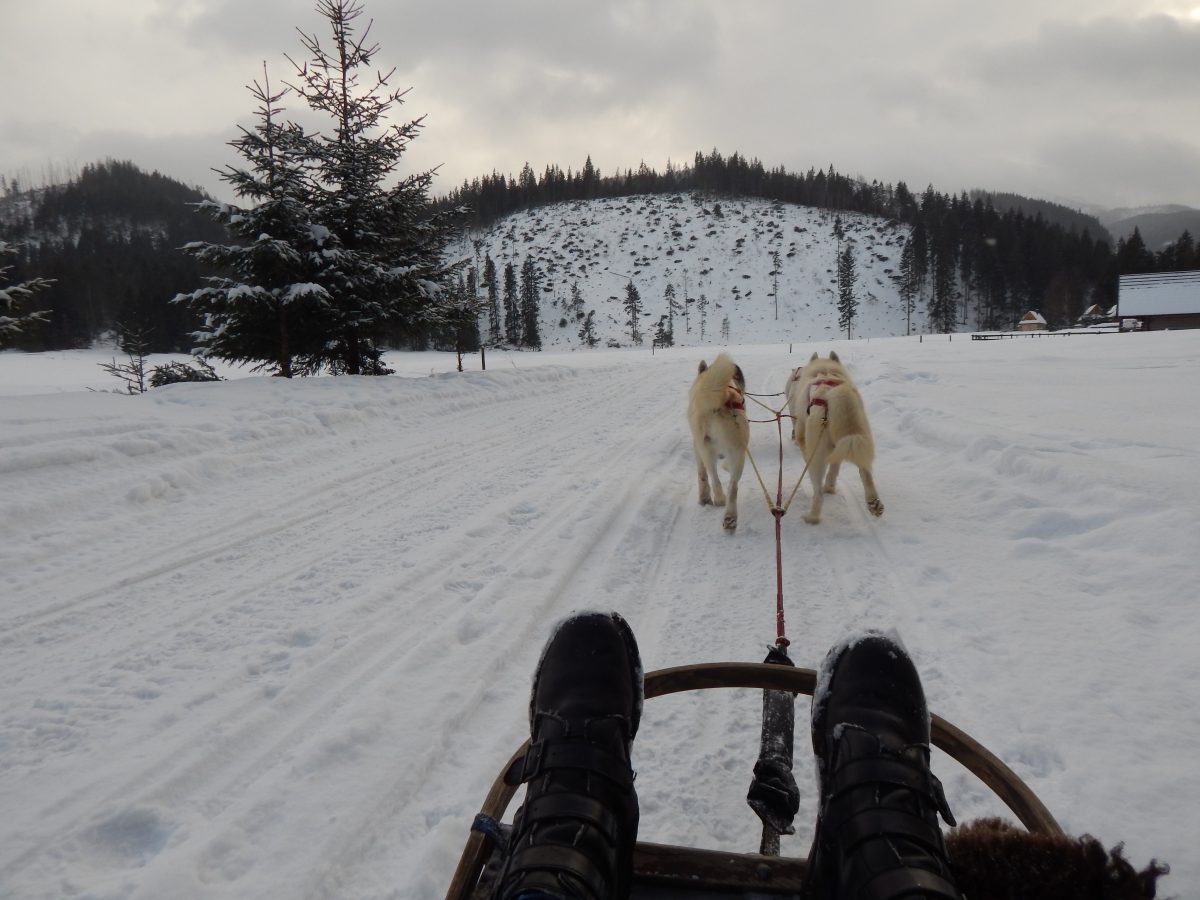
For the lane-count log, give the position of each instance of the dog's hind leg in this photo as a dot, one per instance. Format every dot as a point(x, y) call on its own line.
point(736, 463)
point(702, 475)
point(816, 475)
point(874, 504)
point(708, 452)
point(831, 478)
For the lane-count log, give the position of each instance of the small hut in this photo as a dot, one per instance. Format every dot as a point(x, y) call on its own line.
point(1032, 321)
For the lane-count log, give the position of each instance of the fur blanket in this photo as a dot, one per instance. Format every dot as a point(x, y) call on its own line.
point(995, 860)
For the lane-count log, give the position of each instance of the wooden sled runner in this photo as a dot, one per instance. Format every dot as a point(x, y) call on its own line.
point(666, 871)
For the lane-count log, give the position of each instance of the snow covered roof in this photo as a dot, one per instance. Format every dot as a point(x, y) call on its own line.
point(1159, 294)
point(1033, 316)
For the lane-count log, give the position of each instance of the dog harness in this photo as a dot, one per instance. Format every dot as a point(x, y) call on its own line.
point(820, 401)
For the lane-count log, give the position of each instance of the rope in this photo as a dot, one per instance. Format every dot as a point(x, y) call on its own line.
point(777, 507)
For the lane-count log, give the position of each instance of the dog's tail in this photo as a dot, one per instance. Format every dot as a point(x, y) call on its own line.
point(857, 448)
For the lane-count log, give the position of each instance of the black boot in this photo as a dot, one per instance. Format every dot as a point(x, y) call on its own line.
point(574, 835)
point(877, 836)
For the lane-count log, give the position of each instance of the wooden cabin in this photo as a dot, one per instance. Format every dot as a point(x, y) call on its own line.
point(1032, 321)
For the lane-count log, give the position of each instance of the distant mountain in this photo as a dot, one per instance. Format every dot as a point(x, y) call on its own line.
point(1054, 213)
point(1159, 226)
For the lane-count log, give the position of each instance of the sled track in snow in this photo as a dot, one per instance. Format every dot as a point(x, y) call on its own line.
point(214, 773)
point(417, 782)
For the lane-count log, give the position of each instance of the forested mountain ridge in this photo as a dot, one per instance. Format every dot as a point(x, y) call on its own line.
point(975, 260)
point(109, 239)
point(1053, 213)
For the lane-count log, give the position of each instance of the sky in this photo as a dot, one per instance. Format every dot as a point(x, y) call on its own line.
point(1087, 102)
point(274, 638)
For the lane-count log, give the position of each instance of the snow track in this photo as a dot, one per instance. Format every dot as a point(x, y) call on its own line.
point(269, 639)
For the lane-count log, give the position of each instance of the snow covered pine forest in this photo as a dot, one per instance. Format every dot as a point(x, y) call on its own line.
point(273, 637)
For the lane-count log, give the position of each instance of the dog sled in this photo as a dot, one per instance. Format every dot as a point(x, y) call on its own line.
point(664, 872)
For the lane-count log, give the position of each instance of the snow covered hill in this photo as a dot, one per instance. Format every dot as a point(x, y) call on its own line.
point(269, 638)
point(721, 248)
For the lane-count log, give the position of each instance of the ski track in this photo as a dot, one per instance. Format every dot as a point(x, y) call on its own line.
point(212, 772)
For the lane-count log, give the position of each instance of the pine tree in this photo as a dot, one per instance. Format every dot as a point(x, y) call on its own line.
point(530, 307)
point(673, 307)
point(920, 242)
point(576, 303)
point(388, 276)
point(847, 301)
point(465, 315)
point(1132, 255)
point(265, 309)
point(461, 328)
point(587, 331)
point(662, 333)
point(14, 323)
point(702, 304)
point(725, 329)
point(776, 262)
point(943, 302)
point(493, 300)
point(908, 284)
point(512, 310)
point(633, 308)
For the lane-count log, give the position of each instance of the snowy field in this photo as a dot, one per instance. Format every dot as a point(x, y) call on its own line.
point(271, 638)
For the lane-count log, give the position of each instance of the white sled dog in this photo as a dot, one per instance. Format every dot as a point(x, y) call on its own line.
point(830, 427)
point(717, 415)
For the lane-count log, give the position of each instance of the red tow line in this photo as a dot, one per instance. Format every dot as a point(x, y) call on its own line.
point(777, 511)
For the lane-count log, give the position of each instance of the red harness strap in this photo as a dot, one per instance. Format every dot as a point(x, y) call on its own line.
point(820, 401)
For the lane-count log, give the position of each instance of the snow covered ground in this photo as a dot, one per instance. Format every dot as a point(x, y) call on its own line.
point(272, 638)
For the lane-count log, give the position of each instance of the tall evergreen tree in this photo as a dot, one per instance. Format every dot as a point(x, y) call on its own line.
point(633, 309)
point(530, 306)
point(512, 308)
point(909, 284)
point(662, 332)
point(576, 302)
point(847, 300)
point(587, 331)
point(493, 300)
point(673, 307)
point(265, 308)
point(776, 261)
point(461, 328)
point(1132, 256)
point(388, 276)
point(920, 242)
point(15, 320)
point(944, 299)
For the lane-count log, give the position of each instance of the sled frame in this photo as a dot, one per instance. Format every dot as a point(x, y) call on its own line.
point(716, 871)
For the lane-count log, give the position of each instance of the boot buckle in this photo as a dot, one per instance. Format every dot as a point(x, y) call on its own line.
point(527, 767)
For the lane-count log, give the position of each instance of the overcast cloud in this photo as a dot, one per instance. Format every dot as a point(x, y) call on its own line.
point(1088, 102)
